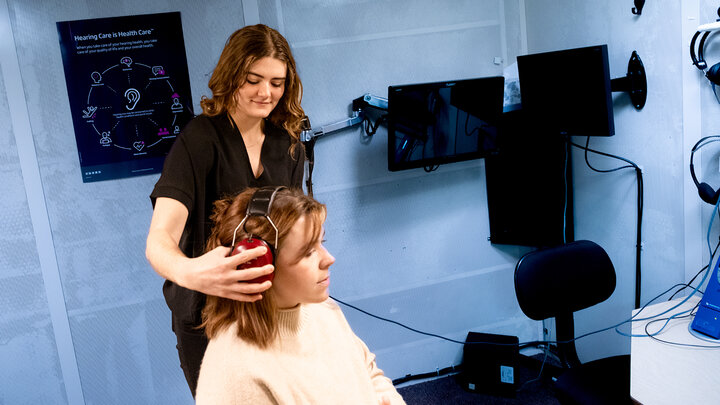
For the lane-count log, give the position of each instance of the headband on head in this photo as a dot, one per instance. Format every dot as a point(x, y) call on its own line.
point(259, 206)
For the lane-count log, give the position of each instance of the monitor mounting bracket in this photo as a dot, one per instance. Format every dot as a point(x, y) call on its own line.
point(634, 83)
point(358, 114)
point(309, 135)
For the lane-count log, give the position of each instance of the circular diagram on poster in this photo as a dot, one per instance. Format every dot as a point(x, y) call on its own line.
point(133, 107)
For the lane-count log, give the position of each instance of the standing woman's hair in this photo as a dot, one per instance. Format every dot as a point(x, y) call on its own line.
point(244, 47)
point(257, 321)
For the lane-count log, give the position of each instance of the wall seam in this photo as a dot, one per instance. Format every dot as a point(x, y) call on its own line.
point(692, 131)
point(251, 12)
point(397, 34)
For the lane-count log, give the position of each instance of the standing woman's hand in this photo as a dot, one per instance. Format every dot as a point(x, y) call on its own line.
point(213, 273)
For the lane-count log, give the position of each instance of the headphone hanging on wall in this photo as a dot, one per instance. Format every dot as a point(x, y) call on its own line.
point(712, 74)
point(259, 206)
point(706, 192)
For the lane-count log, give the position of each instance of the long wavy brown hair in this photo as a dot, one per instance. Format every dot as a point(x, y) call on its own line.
point(257, 321)
point(243, 48)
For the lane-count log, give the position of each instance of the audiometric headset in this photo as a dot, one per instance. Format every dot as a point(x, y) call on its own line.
point(713, 74)
point(706, 192)
point(259, 206)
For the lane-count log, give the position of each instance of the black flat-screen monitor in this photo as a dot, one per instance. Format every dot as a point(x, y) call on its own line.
point(568, 92)
point(436, 123)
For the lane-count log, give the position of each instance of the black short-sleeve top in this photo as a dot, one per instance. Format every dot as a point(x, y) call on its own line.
point(209, 161)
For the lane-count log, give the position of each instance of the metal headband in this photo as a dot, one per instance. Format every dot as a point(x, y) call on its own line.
point(259, 206)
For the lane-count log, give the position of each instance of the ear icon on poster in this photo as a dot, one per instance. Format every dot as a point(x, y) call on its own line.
point(132, 96)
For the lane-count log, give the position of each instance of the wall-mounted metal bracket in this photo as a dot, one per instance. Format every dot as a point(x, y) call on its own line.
point(358, 106)
point(634, 83)
point(309, 135)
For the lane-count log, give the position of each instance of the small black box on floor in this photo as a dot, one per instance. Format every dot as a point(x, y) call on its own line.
point(489, 364)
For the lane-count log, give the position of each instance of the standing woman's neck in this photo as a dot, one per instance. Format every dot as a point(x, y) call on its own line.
point(251, 129)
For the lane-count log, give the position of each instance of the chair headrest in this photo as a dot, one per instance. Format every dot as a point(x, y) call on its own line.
point(563, 279)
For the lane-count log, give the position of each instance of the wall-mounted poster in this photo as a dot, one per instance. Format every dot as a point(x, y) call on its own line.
point(129, 90)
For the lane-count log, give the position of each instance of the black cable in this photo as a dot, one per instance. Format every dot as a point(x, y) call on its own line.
point(436, 373)
point(478, 128)
point(689, 283)
point(310, 157)
point(400, 324)
point(587, 148)
point(370, 127)
point(467, 120)
point(536, 343)
point(640, 199)
point(520, 345)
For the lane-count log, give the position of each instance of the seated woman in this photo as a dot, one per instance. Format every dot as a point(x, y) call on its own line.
point(294, 346)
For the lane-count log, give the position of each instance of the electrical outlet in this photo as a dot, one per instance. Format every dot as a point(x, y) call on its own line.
point(549, 329)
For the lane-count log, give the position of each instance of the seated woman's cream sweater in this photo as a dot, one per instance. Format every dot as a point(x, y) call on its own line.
point(317, 359)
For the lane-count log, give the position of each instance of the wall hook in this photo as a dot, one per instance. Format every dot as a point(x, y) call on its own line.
point(639, 4)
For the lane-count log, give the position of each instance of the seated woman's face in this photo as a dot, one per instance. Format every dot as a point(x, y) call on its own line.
point(302, 268)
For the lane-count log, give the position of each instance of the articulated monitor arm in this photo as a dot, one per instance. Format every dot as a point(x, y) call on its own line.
point(309, 135)
point(358, 114)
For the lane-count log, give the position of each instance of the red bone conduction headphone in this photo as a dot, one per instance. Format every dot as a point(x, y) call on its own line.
point(259, 206)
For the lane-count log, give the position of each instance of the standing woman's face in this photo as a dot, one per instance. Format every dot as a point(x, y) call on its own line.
point(262, 90)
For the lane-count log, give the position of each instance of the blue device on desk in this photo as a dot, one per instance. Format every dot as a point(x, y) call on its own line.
point(707, 318)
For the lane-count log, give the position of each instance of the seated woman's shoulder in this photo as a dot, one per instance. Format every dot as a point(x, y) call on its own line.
point(330, 304)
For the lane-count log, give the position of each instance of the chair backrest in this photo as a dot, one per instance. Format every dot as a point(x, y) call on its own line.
point(558, 281)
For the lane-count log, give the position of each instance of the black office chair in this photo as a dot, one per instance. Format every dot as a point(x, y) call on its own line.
point(556, 282)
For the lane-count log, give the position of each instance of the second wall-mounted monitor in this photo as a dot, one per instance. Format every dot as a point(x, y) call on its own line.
point(443, 122)
point(568, 92)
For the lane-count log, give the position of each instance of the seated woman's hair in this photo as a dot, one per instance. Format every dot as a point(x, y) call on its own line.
point(257, 321)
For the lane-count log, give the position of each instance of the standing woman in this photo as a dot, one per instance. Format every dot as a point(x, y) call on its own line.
point(247, 136)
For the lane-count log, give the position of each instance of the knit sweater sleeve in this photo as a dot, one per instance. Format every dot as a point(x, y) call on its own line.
point(214, 385)
point(219, 392)
point(228, 378)
point(383, 385)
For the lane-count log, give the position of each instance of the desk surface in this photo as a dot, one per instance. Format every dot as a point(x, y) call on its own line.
point(664, 373)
